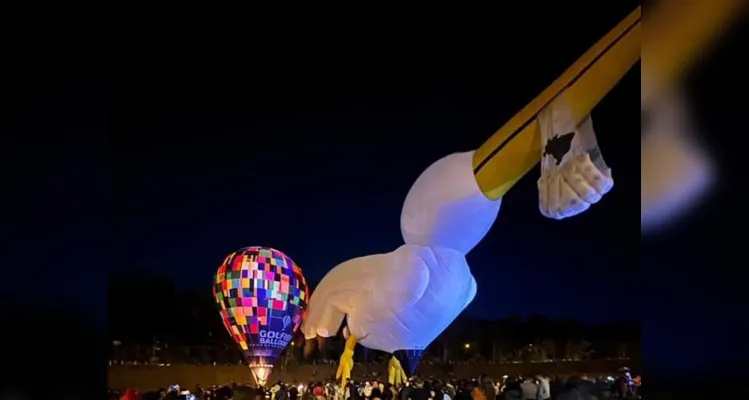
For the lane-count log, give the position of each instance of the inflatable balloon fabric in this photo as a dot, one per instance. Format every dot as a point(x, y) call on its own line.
point(261, 295)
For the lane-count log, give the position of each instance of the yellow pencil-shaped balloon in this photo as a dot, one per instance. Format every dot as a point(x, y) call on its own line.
point(677, 33)
point(516, 147)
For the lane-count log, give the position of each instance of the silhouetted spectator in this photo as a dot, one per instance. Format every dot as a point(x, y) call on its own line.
point(512, 390)
point(577, 388)
point(243, 393)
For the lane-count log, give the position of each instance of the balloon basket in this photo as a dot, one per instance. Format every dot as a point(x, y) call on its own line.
point(261, 373)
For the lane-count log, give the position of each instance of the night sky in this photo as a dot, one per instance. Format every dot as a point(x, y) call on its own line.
point(182, 156)
point(317, 161)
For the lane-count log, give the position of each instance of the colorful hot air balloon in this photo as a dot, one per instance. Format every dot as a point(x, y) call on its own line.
point(262, 297)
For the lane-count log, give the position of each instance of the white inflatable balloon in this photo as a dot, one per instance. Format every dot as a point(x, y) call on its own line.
point(445, 207)
point(393, 301)
point(573, 173)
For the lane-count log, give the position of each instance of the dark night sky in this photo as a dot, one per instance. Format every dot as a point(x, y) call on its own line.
point(310, 149)
point(317, 164)
point(185, 156)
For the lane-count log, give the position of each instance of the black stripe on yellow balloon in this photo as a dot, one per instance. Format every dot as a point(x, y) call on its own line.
point(584, 84)
point(572, 82)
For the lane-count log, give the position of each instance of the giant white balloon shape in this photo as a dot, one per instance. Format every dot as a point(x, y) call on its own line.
point(400, 300)
point(445, 207)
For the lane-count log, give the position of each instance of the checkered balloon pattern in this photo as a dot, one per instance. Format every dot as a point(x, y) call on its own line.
point(261, 296)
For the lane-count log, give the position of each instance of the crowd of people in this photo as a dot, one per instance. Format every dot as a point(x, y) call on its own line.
point(538, 387)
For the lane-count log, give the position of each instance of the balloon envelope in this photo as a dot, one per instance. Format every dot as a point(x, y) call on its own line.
point(446, 208)
point(409, 360)
point(261, 296)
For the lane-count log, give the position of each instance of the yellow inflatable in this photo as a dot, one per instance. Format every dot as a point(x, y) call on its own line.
point(516, 147)
point(676, 32)
point(451, 207)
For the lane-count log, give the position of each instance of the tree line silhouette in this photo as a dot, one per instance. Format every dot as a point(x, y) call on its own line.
point(152, 315)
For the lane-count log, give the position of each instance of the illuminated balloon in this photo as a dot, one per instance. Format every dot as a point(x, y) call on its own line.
point(400, 300)
point(261, 296)
point(574, 175)
point(445, 207)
